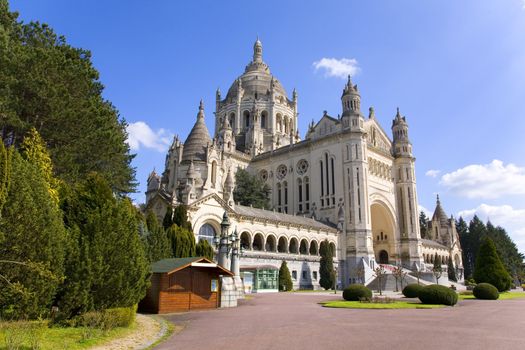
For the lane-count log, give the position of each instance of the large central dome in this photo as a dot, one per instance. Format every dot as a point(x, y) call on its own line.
point(257, 80)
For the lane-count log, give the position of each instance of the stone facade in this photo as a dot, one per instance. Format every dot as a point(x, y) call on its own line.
point(347, 182)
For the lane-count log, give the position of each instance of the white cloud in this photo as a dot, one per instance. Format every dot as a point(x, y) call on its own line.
point(141, 135)
point(427, 212)
point(523, 4)
point(339, 68)
point(512, 220)
point(486, 180)
point(432, 173)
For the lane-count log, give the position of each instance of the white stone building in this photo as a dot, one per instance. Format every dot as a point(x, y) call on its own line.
point(347, 182)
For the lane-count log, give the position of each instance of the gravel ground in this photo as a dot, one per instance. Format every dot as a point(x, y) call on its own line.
point(147, 332)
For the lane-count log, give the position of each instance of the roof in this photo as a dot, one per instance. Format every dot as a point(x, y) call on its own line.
point(432, 243)
point(439, 214)
point(283, 218)
point(197, 141)
point(175, 264)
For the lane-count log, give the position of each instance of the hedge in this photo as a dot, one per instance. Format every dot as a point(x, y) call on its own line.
point(412, 290)
point(355, 292)
point(436, 294)
point(486, 291)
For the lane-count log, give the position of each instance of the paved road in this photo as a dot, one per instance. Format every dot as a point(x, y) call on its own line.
point(295, 321)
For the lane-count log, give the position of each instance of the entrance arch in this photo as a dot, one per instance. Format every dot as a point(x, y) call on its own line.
point(383, 233)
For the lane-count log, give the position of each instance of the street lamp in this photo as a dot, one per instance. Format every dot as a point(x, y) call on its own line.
point(228, 246)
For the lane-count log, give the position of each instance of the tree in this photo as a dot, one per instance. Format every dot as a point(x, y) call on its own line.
point(399, 275)
point(437, 270)
point(180, 217)
point(326, 268)
point(53, 87)
point(167, 222)
point(155, 239)
point(285, 280)
point(466, 245)
point(250, 190)
point(451, 270)
point(204, 249)
point(31, 248)
point(182, 242)
point(5, 174)
point(108, 239)
point(380, 272)
point(489, 268)
point(423, 224)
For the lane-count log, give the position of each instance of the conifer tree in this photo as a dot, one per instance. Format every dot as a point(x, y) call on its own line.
point(437, 270)
point(250, 190)
point(204, 249)
point(489, 268)
point(5, 173)
point(451, 270)
point(326, 268)
point(168, 218)
point(180, 217)
point(108, 233)
point(32, 246)
point(182, 242)
point(423, 224)
point(285, 280)
point(156, 241)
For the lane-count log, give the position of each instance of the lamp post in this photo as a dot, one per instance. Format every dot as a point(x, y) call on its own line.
point(228, 243)
point(335, 280)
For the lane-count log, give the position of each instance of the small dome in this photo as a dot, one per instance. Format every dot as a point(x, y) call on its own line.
point(198, 139)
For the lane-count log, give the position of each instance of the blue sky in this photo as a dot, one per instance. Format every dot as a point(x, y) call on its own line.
point(456, 69)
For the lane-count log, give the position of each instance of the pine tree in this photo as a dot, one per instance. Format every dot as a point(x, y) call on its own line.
point(32, 246)
point(437, 270)
point(108, 233)
point(156, 241)
point(285, 280)
point(451, 270)
point(465, 241)
point(204, 249)
point(182, 242)
point(326, 268)
point(5, 173)
point(250, 190)
point(180, 217)
point(168, 218)
point(489, 268)
point(423, 224)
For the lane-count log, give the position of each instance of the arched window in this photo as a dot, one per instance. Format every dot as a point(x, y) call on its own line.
point(282, 247)
point(332, 248)
point(258, 242)
point(300, 193)
point(279, 122)
point(303, 249)
point(279, 198)
point(286, 125)
point(270, 244)
point(313, 248)
point(285, 189)
point(246, 116)
point(293, 246)
point(207, 232)
point(213, 173)
point(307, 193)
point(246, 241)
point(264, 116)
point(232, 120)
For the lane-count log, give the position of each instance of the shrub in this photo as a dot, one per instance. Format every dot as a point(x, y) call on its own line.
point(412, 290)
point(436, 294)
point(486, 291)
point(355, 292)
point(106, 319)
point(489, 268)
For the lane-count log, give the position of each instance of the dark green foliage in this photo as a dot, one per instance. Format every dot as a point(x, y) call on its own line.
point(436, 294)
point(485, 291)
point(356, 292)
point(180, 217)
point(31, 248)
point(47, 84)
point(451, 270)
point(423, 225)
point(412, 290)
point(489, 268)
point(182, 242)
point(155, 239)
point(5, 174)
point(250, 190)
point(326, 268)
point(285, 280)
point(437, 269)
point(167, 222)
point(108, 239)
point(466, 241)
point(204, 249)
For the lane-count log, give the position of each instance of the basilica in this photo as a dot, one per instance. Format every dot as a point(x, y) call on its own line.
point(347, 182)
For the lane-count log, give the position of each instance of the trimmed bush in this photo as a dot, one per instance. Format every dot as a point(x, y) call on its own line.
point(436, 294)
point(489, 268)
point(486, 291)
point(412, 290)
point(356, 292)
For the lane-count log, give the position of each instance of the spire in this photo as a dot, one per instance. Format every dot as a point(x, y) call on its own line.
point(371, 114)
point(257, 51)
point(201, 110)
point(438, 202)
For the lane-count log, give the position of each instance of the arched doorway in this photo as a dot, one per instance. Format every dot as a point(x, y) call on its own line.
point(383, 233)
point(282, 247)
point(383, 257)
point(258, 242)
point(246, 242)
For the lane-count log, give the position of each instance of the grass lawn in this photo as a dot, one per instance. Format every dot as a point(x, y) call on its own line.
point(502, 296)
point(395, 305)
point(72, 338)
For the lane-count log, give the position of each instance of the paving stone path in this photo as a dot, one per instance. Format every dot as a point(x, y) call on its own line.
point(295, 321)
